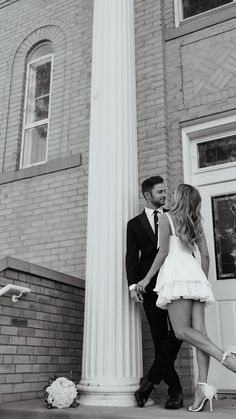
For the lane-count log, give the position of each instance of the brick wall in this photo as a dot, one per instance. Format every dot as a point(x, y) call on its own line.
point(40, 335)
point(153, 145)
point(44, 219)
point(54, 206)
point(200, 75)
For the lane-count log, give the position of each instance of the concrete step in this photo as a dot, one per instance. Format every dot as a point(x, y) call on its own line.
point(36, 409)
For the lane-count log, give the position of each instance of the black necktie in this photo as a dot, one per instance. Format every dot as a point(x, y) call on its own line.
point(156, 224)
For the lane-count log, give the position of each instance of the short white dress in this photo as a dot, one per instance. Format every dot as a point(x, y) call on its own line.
point(181, 275)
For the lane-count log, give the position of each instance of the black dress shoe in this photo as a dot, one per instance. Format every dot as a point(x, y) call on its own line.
point(144, 391)
point(174, 401)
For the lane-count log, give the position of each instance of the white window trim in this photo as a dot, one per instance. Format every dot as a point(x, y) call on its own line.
point(205, 139)
point(201, 132)
point(178, 7)
point(37, 123)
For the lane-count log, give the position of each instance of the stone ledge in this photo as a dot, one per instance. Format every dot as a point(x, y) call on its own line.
point(51, 166)
point(186, 121)
point(8, 262)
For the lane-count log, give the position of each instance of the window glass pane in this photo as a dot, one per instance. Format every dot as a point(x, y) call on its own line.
point(191, 8)
point(35, 145)
point(224, 221)
point(42, 82)
point(41, 108)
point(38, 91)
point(219, 151)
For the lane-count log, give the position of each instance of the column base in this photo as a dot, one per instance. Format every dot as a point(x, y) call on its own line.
point(107, 395)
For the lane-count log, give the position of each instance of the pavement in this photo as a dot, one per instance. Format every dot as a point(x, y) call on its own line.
point(36, 409)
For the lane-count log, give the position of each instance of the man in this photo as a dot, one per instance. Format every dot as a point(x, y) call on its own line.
point(142, 247)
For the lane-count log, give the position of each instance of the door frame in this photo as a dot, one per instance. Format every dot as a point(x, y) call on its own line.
point(193, 134)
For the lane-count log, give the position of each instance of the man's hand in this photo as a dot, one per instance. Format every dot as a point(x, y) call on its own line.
point(136, 295)
point(141, 285)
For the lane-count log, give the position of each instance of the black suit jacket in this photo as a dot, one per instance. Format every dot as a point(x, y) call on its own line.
point(141, 250)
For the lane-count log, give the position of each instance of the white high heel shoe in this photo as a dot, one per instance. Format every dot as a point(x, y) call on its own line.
point(209, 392)
point(231, 350)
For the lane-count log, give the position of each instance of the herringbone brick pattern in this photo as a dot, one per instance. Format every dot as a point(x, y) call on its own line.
point(209, 69)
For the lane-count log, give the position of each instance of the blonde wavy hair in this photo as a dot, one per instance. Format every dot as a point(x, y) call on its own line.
point(186, 212)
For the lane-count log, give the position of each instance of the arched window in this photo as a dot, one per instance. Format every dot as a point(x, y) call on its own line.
point(34, 143)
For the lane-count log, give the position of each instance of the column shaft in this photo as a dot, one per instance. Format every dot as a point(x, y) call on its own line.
point(112, 351)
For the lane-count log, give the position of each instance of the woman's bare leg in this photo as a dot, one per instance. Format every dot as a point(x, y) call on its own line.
point(180, 313)
point(203, 359)
point(198, 323)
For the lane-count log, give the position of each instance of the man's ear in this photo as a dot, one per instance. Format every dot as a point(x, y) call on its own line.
point(147, 196)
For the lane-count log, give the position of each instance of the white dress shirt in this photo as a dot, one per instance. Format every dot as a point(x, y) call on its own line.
point(150, 215)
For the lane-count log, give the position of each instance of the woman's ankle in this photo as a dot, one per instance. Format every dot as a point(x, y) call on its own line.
point(198, 397)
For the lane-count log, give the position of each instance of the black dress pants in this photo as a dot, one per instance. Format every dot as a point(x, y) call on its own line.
point(166, 345)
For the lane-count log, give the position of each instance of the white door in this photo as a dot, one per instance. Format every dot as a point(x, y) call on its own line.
point(219, 214)
point(209, 152)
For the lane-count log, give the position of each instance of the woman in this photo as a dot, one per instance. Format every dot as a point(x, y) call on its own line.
point(183, 288)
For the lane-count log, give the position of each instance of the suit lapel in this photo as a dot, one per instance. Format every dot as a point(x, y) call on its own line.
point(144, 221)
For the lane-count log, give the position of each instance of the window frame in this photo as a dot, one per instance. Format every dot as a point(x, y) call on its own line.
point(208, 138)
point(25, 125)
point(178, 10)
point(208, 129)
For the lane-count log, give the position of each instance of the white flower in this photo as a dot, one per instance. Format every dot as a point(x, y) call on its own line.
point(61, 393)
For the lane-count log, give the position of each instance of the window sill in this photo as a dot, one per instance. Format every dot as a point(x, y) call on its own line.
point(196, 23)
point(43, 169)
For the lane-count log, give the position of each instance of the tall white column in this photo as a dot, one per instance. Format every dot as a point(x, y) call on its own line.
point(112, 350)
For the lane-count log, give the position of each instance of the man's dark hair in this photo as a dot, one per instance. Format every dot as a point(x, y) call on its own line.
point(148, 184)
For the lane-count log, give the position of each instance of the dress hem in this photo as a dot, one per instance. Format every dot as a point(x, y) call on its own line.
point(168, 301)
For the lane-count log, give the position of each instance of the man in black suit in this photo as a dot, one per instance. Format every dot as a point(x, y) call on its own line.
point(142, 247)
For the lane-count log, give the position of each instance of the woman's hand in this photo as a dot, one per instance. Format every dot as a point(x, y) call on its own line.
point(136, 295)
point(141, 285)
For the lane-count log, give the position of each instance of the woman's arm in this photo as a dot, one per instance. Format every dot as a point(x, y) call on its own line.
point(205, 260)
point(164, 236)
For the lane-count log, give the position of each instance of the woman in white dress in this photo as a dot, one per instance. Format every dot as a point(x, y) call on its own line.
point(183, 288)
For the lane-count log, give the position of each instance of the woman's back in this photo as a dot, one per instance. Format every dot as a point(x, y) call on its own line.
point(175, 242)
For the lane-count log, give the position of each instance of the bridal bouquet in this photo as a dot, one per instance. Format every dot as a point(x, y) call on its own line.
point(61, 393)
